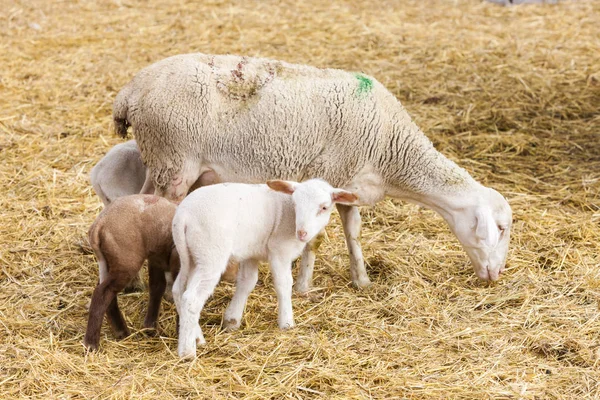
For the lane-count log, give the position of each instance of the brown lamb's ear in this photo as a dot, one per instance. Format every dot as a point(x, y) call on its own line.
point(344, 197)
point(281, 186)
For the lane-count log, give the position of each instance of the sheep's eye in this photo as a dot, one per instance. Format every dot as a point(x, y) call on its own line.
point(324, 208)
point(501, 229)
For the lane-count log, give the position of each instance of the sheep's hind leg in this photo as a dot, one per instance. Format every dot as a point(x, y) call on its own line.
point(101, 298)
point(200, 286)
point(351, 222)
point(157, 283)
point(247, 277)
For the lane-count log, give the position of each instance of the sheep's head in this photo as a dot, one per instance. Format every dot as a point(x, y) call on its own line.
point(314, 200)
point(484, 231)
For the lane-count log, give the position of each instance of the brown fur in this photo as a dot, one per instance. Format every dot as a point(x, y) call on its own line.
point(126, 233)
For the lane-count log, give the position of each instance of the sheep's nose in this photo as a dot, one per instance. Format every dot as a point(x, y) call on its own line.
point(301, 234)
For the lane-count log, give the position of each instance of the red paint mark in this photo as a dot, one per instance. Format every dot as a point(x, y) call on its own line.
point(177, 181)
point(151, 199)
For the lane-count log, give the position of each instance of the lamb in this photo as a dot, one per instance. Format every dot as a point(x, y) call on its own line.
point(128, 231)
point(252, 119)
point(121, 172)
point(249, 223)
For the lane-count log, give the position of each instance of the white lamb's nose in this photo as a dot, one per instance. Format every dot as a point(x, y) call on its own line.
point(301, 234)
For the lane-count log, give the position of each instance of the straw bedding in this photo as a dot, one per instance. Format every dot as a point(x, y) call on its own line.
point(511, 93)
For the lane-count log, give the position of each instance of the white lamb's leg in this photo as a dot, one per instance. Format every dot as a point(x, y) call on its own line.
point(247, 277)
point(283, 281)
point(307, 264)
point(190, 333)
point(179, 286)
point(351, 223)
point(200, 286)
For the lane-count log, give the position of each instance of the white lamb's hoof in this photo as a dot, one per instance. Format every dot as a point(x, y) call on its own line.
point(168, 296)
point(187, 354)
point(301, 289)
point(199, 337)
point(286, 325)
point(362, 283)
point(231, 324)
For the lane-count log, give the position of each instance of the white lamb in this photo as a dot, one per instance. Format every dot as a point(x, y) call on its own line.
point(247, 223)
point(252, 119)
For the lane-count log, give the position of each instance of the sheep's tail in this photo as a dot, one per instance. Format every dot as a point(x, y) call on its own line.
point(179, 228)
point(94, 239)
point(120, 110)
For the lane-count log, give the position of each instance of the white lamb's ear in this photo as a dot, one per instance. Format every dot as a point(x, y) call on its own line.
point(486, 228)
point(344, 197)
point(287, 187)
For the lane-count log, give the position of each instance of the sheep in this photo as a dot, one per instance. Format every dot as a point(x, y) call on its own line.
point(248, 223)
point(252, 119)
point(121, 172)
point(128, 231)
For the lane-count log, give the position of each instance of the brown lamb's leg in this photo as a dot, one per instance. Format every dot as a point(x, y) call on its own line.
point(120, 277)
point(102, 297)
point(157, 283)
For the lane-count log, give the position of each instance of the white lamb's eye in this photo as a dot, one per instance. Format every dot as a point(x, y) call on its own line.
point(501, 229)
point(324, 208)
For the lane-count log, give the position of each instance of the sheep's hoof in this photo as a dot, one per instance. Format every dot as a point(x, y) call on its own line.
point(168, 296)
point(286, 326)
point(362, 283)
point(151, 331)
point(91, 346)
point(311, 295)
point(137, 285)
point(199, 337)
point(120, 335)
point(302, 290)
point(187, 355)
point(231, 324)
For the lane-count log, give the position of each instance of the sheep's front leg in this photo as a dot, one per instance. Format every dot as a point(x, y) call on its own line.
point(351, 222)
point(247, 276)
point(282, 278)
point(307, 264)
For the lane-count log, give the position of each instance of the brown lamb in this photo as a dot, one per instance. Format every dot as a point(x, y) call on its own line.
point(128, 231)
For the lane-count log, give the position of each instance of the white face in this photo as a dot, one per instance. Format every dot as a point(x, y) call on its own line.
point(314, 201)
point(314, 205)
point(484, 232)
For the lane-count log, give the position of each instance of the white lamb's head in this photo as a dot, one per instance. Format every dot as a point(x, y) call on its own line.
point(314, 200)
point(483, 229)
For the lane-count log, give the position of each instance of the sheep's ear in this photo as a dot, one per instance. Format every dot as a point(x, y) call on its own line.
point(344, 197)
point(486, 228)
point(282, 186)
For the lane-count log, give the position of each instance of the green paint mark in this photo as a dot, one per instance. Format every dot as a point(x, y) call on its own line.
point(365, 84)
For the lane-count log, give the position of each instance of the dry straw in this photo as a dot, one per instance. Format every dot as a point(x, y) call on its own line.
point(511, 93)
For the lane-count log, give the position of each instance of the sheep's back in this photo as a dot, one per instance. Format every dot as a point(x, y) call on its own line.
point(269, 118)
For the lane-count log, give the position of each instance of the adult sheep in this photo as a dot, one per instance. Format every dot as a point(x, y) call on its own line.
point(252, 119)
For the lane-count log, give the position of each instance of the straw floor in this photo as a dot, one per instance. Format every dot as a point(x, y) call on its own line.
point(512, 94)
